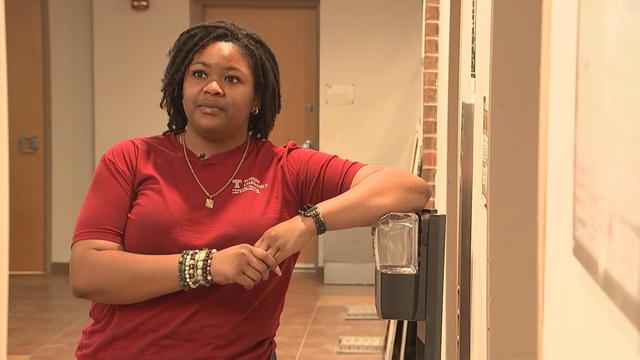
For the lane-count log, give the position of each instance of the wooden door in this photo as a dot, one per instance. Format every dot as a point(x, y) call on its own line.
point(26, 120)
point(292, 34)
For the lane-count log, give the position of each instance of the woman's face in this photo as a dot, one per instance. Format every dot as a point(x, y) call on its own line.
point(218, 92)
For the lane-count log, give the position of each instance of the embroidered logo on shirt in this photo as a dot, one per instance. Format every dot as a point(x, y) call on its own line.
point(253, 184)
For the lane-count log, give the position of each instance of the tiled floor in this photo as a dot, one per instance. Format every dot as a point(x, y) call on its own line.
point(45, 320)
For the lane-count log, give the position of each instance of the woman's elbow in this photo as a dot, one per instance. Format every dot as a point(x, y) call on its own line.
point(79, 276)
point(419, 192)
point(77, 283)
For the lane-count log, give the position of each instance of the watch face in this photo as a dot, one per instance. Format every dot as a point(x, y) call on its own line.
point(308, 210)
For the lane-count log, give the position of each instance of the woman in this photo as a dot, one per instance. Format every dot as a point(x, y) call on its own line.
point(213, 208)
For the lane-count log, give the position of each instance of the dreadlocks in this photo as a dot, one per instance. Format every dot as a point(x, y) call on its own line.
point(261, 59)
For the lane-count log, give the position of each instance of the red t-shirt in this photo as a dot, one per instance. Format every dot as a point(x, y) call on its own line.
point(144, 197)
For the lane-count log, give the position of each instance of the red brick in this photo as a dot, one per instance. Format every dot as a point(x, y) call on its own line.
point(432, 13)
point(431, 46)
point(430, 95)
point(430, 112)
point(431, 62)
point(430, 78)
point(429, 159)
point(431, 30)
point(430, 143)
point(429, 127)
point(429, 175)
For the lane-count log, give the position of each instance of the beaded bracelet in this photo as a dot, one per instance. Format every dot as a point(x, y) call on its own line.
point(191, 269)
point(194, 268)
point(181, 270)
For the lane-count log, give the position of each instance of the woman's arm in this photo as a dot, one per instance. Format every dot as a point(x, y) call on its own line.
point(103, 272)
point(375, 191)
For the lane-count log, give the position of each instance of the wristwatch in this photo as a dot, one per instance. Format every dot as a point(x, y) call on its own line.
point(312, 212)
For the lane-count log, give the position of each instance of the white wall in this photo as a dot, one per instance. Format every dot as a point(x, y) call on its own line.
point(129, 57)
point(580, 321)
point(130, 54)
point(377, 46)
point(71, 79)
point(4, 188)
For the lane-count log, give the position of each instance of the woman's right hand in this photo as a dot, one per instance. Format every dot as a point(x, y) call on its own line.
point(242, 264)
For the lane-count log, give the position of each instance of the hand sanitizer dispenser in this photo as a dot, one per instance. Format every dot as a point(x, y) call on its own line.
point(409, 254)
point(396, 248)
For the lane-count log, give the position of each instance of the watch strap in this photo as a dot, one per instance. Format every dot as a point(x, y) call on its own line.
point(312, 212)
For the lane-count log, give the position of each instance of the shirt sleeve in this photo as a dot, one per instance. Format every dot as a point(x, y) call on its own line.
point(106, 206)
point(318, 176)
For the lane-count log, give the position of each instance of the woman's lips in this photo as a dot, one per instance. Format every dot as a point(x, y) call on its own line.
point(210, 109)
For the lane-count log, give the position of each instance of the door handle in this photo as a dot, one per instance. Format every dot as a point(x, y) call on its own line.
point(29, 143)
point(308, 144)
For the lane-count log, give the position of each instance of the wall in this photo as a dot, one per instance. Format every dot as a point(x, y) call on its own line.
point(129, 57)
point(382, 59)
point(379, 51)
point(80, 131)
point(513, 247)
point(71, 117)
point(4, 188)
point(580, 321)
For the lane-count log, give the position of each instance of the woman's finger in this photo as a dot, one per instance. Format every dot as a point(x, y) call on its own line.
point(260, 267)
point(252, 274)
point(246, 282)
point(264, 256)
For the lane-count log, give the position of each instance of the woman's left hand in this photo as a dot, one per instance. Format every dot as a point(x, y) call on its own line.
point(288, 237)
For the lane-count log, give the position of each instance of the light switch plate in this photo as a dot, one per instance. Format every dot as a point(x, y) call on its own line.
point(340, 94)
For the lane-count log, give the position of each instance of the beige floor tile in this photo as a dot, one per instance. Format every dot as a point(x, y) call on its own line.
point(45, 320)
point(346, 300)
point(328, 325)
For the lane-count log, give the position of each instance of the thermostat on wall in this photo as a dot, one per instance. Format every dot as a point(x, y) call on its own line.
point(340, 94)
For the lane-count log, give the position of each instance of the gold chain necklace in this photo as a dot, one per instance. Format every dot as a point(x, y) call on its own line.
point(209, 200)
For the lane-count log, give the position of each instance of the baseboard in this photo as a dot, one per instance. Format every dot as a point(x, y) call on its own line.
point(349, 273)
point(59, 268)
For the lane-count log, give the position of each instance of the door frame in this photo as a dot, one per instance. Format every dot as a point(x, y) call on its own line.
point(452, 245)
point(4, 188)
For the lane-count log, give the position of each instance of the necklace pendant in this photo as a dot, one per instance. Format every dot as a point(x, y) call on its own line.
point(208, 203)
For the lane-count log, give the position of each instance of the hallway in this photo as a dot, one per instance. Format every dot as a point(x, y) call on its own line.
point(45, 320)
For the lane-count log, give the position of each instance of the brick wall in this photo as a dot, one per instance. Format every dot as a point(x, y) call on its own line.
point(430, 94)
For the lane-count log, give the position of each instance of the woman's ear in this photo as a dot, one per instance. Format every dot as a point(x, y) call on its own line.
point(255, 107)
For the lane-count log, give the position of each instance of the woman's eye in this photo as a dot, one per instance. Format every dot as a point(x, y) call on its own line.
point(232, 79)
point(199, 74)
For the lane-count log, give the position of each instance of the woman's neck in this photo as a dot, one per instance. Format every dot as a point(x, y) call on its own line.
point(199, 145)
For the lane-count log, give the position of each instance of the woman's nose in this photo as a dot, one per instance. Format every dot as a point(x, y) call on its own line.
point(213, 88)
